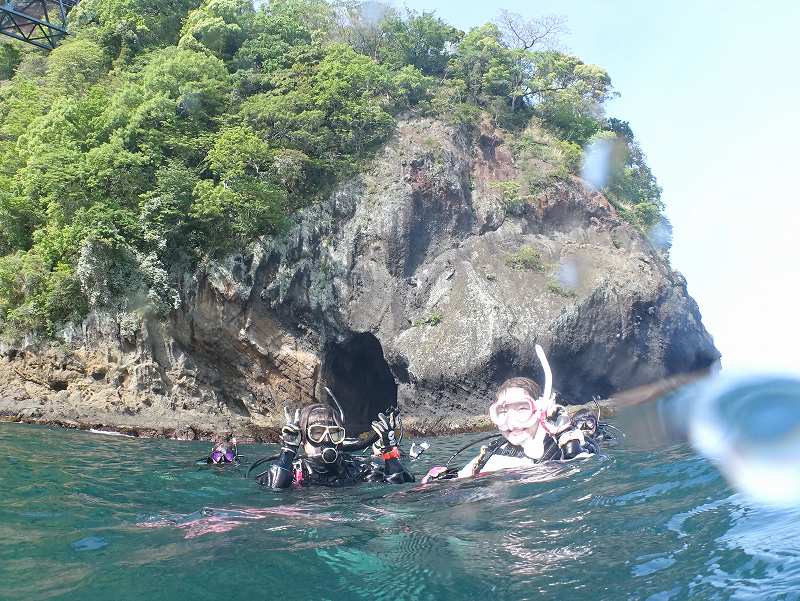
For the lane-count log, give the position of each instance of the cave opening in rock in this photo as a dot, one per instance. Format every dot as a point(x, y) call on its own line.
point(358, 374)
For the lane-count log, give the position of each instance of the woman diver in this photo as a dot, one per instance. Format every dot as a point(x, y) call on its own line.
point(223, 453)
point(325, 459)
point(533, 429)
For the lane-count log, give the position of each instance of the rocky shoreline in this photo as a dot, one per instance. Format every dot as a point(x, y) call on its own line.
point(416, 284)
point(412, 427)
point(249, 435)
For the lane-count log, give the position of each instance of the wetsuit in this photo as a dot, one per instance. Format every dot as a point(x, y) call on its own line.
point(576, 437)
point(345, 471)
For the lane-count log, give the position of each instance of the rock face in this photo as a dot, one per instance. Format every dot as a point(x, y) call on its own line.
point(413, 284)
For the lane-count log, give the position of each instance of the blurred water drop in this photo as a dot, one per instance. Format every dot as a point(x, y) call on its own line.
point(597, 162)
point(568, 274)
point(749, 426)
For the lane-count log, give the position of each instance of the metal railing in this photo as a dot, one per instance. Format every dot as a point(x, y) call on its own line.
point(42, 23)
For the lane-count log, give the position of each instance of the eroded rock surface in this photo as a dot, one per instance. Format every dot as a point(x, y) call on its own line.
point(412, 284)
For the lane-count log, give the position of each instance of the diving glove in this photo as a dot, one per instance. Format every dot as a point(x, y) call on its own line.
point(290, 433)
point(384, 427)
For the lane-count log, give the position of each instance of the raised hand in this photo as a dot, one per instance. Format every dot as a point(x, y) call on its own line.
point(290, 433)
point(384, 427)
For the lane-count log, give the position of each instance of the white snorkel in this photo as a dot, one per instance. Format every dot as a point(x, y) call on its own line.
point(547, 401)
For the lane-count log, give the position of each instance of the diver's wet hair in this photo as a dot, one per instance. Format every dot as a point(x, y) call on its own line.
point(528, 385)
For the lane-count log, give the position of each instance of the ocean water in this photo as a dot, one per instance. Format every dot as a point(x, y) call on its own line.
point(93, 517)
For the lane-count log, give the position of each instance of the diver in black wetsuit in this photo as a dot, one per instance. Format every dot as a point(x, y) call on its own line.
point(326, 461)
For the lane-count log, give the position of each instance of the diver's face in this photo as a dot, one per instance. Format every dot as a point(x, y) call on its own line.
point(323, 440)
point(514, 414)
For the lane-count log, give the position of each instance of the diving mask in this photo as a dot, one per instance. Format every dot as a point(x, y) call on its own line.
point(223, 455)
point(317, 433)
point(514, 410)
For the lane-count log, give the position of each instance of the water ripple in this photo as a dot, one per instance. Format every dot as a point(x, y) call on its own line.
point(96, 517)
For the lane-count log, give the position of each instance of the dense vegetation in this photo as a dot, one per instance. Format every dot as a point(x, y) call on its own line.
point(161, 134)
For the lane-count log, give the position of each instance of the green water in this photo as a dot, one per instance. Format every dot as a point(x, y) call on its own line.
point(87, 516)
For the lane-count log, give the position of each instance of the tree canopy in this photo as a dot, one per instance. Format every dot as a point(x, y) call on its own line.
point(161, 134)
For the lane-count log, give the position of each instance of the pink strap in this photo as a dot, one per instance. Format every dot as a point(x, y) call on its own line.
point(298, 475)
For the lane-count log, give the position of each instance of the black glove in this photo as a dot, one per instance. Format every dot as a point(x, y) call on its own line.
point(290, 433)
point(384, 427)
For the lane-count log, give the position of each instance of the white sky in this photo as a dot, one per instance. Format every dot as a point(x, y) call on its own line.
point(712, 91)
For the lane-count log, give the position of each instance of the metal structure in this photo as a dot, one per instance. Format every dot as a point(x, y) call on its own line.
point(42, 23)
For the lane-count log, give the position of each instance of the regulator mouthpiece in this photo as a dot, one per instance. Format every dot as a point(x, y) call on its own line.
point(329, 455)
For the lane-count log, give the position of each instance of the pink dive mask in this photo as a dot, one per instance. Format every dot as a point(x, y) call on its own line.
point(517, 411)
point(514, 411)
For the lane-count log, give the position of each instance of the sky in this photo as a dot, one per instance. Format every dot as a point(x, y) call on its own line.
point(712, 92)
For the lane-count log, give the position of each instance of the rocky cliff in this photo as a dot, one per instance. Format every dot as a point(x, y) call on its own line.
point(415, 283)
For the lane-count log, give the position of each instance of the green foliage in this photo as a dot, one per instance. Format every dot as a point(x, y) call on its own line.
point(554, 287)
point(10, 57)
point(335, 104)
point(420, 41)
point(218, 26)
point(631, 185)
point(570, 94)
point(75, 65)
point(434, 319)
point(129, 27)
point(527, 258)
point(163, 133)
point(511, 196)
point(544, 161)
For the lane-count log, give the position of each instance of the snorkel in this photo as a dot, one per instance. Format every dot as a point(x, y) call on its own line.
point(547, 402)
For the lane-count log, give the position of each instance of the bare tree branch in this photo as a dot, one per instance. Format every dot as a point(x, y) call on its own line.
point(526, 34)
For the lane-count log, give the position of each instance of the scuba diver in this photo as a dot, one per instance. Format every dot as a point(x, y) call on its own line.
point(326, 459)
point(532, 429)
point(223, 453)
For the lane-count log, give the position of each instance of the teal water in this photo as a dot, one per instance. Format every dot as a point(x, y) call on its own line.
point(87, 516)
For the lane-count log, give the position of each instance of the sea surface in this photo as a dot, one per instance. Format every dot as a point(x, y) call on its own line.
point(92, 517)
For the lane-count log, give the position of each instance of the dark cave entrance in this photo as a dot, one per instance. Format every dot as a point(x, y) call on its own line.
point(358, 374)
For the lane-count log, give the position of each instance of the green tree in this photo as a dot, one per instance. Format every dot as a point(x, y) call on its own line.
point(218, 26)
point(422, 41)
point(128, 27)
point(334, 105)
point(76, 64)
point(10, 57)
